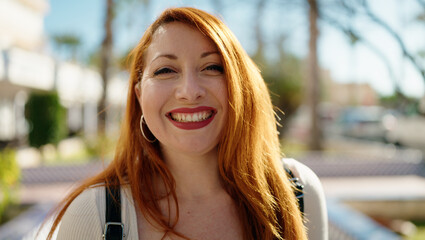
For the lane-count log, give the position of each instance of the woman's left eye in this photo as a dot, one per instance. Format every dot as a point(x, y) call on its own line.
point(214, 67)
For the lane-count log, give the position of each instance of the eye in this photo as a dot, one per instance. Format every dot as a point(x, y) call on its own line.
point(214, 67)
point(163, 71)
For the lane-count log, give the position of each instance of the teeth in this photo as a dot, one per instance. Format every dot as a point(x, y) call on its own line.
point(195, 117)
point(191, 117)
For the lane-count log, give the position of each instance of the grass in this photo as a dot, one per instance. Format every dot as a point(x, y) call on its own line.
point(293, 148)
point(420, 233)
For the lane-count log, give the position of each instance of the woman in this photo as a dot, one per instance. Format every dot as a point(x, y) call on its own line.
point(198, 156)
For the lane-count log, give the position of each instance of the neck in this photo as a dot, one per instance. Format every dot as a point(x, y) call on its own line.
point(196, 176)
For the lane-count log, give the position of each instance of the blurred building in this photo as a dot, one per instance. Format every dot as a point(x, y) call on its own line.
point(21, 23)
point(25, 68)
point(348, 94)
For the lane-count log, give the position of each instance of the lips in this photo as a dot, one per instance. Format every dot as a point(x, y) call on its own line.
point(191, 118)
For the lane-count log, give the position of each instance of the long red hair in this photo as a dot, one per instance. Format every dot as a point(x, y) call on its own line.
point(249, 151)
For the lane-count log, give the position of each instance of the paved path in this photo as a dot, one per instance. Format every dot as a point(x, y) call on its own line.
point(407, 187)
point(44, 193)
point(62, 173)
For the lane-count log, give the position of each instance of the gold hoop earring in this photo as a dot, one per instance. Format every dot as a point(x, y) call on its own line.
point(143, 133)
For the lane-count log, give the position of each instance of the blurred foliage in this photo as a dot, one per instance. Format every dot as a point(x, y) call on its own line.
point(68, 45)
point(84, 149)
point(421, 53)
point(67, 39)
point(420, 233)
point(119, 62)
point(403, 104)
point(46, 117)
point(124, 61)
point(285, 81)
point(293, 148)
point(93, 59)
point(9, 178)
point(102, 147)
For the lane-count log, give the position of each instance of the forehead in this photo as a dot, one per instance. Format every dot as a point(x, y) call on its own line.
point(177, 37)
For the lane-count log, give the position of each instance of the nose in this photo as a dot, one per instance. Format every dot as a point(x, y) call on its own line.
point(190, 88)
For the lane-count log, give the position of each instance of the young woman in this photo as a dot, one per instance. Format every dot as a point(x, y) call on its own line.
point(198, 156)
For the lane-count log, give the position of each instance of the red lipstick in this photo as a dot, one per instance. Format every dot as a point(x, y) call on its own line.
point(191, 118)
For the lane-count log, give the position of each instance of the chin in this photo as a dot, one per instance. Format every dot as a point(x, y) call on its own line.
point(193, 149)
point(199, 151)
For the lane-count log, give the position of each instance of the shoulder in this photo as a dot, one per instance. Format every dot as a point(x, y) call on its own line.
point(314, 199)
point(83, 218)
point(313, 190)
point(304, 173)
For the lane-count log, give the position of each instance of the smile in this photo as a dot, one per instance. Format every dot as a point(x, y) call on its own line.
point(191, 118)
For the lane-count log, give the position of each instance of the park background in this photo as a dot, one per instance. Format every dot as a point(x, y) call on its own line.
point(349, 77)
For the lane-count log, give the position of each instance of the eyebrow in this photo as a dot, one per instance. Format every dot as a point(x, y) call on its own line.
point(174, 57)
point(206, 54)
point(169, 56)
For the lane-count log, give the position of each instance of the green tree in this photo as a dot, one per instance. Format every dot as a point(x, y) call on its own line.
point(46, 117)
point(68, 44)
point(9, 178)
point(284, 79)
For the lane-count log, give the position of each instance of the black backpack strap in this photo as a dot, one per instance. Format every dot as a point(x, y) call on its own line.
point(114, 229)
point(299, 187)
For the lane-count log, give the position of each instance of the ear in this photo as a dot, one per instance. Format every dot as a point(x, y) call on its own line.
point(137, 89)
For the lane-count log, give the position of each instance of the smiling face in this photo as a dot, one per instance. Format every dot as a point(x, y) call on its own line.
point(183, 91)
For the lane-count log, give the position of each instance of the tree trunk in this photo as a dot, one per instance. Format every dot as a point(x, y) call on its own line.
point(105, 64)
point(313, 82)
point(259, 12)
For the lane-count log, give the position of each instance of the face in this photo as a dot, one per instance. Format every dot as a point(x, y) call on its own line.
point(183, 91)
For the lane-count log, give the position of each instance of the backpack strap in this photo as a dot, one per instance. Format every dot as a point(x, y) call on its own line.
point(299, 187)
point(114, 228)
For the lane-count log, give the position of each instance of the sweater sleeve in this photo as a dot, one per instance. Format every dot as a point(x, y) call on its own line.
point(81, 220)
point(315, 211)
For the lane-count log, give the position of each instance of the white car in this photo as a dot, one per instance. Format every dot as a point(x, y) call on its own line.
point(406, 131)
point(364, 122)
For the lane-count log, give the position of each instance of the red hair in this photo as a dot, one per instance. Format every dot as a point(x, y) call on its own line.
point(249, 151)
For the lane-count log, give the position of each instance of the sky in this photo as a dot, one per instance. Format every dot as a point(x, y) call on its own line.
point(346, 63)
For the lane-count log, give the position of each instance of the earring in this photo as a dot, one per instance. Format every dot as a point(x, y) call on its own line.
point(143, 133)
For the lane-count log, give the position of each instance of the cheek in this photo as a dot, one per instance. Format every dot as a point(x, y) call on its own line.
point(148, 103)
point(153, 97)
point(222, 95)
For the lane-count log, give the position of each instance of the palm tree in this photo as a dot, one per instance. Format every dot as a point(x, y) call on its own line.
point(67, 44)
point(106, 52)
point(313, 83)
point(106, 56)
